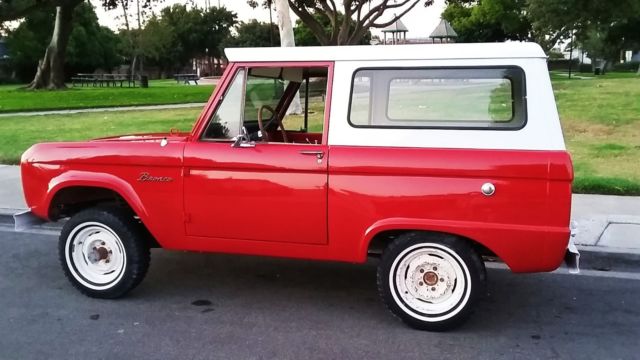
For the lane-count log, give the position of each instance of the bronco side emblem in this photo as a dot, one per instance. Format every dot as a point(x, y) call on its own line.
point(144, 177)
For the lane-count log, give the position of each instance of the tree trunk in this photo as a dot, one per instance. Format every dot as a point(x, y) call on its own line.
point(287, 39)
point(50, 73)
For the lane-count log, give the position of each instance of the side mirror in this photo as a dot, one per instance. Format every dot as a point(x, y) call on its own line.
point(243, 140)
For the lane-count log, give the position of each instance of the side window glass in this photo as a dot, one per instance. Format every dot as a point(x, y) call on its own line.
point(312, 97)
point(361, 100)
point(423, 98)
point(226, 121)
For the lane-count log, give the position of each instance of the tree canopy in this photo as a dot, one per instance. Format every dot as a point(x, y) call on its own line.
point(254, 33)
point(347, 22)
point(601, 28)
point(305, 36)
point(179, 34)
point(90, 46)
point(488, 20)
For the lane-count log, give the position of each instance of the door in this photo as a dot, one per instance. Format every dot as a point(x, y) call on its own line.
point(272, 190)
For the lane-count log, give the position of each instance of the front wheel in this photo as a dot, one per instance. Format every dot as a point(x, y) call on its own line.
point(103, 252)
point(430, 281)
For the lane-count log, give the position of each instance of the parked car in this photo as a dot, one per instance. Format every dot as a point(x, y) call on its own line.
point(428, 157)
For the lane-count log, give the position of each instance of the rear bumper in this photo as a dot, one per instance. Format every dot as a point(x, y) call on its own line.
point(25, 220)
point(572, 255)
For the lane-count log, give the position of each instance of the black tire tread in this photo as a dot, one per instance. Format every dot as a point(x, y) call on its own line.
point(462, 248)
point(130, 231)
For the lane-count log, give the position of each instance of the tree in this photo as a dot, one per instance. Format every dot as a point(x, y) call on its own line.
point(254, 34)
point(156, 42)
point(50, 71)
point(601, 27)
point(351, 21)
point(287, 39)
point(180, 34)
point(305, 37)
point(489, 20)
point(90, 45)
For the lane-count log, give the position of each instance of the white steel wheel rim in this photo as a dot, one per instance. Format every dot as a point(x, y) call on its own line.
point(412, 285)
point(95, 255)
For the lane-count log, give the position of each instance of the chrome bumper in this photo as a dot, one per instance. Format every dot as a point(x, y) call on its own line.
point(572, 256)
point(25, 220)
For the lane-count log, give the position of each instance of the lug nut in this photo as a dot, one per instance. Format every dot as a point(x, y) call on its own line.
point(435, 268)
point(420, 283)
point(433, 289)
point(421, 271)
point(441, 279)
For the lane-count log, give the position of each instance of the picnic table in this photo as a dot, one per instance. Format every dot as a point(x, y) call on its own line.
point(101, 80)
point(186, 78)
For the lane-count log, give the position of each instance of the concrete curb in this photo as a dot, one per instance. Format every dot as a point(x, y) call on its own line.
point(9, 212)
point(609, 231)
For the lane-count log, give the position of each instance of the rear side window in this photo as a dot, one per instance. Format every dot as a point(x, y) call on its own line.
point(468, 98)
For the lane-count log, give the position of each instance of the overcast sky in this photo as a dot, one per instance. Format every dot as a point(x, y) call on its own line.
point(420, 20)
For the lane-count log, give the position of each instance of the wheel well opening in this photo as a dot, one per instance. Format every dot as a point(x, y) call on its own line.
point(71, 200)
point(382, 239)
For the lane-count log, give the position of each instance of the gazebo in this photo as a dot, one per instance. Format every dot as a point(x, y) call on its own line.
point(398, 33)
point(444, 32)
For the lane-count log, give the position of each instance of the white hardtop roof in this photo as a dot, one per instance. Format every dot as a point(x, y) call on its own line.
point(388, 52)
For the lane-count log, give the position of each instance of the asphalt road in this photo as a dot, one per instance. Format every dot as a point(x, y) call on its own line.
point(262, 308)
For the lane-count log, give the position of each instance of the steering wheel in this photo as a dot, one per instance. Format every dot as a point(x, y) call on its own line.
point(265, 135)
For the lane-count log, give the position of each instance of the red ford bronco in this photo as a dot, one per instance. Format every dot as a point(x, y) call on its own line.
point(426, 156)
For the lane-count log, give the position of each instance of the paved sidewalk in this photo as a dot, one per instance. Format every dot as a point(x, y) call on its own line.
point(103, 109)
point(604, 223)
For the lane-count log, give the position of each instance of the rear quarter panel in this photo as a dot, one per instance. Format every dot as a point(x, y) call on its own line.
point(526, 221)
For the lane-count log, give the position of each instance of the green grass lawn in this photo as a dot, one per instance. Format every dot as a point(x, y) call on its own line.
point(600, 118)
point(13, 98)
point(601, 123)
point(20, 132)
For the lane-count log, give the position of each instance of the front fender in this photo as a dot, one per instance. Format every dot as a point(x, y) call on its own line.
point(93, 179)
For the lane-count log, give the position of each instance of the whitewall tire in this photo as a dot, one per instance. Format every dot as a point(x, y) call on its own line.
point(430, 281)
point(103, 252)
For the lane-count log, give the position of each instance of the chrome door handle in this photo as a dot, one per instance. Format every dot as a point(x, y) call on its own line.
point(317, 153)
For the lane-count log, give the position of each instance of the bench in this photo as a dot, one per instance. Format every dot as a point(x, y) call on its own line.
point(186, 78)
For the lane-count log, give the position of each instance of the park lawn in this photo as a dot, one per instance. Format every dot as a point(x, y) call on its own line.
point(18, 133)
point(601, 123)
point(13, 98)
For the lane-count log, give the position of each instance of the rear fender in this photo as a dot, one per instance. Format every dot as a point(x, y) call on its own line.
point(523, 248)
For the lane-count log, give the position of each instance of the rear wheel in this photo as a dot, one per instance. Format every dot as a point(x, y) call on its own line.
point(430, 281)
point(103, 252)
